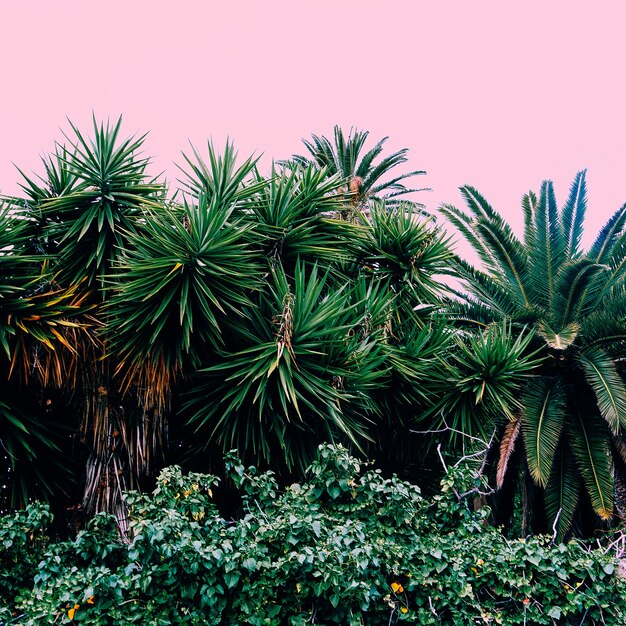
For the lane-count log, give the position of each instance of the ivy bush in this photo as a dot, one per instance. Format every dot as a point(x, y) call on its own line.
point(23, 540)
point(347, 547)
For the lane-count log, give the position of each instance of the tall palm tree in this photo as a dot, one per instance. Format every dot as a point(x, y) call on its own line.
point(570, 418)
point(363, 177)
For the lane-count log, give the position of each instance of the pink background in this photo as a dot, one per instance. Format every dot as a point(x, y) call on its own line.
point(488, 92)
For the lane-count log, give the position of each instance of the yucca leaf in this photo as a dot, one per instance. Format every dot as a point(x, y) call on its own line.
point(297, 375)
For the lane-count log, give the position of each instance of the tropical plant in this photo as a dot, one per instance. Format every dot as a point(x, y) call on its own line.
point(328, 335)
point(39, 326)
point(571, 414)
point(363, 178)
point(275, 325)
point(75, 219)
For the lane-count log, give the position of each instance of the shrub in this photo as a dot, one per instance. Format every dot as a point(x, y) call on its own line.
point(346, 547)
point(23, 538)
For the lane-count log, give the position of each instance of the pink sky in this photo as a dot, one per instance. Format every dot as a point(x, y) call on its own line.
point(496, 94)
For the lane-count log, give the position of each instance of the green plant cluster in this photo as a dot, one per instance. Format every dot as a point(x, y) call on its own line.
point(347, 546)
point(23, 540)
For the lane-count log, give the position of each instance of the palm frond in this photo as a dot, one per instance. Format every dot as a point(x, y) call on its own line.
point(548, 253)
point(607, 385)
point(507, 447)
point(529, 209)
point(561, 340)
point(602, 248)
point(573, 215)
point(562, 492)
point(344, 158)
point(577, 286)
point(543, 418)
point(589, 442)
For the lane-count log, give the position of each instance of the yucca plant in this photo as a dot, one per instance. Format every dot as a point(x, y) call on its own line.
point(90, 196)
point(293, 214)
point(406, 251)
point(100, 185)
point(332, 336)
point(283, 326)
point(569, 419)
point(293, 374)
point(39, 327)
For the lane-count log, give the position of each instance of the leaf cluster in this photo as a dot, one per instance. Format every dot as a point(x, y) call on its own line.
point(346, 546)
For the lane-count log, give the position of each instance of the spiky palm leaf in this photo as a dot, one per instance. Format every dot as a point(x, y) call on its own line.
point(590, 444)
point(25, 439)
point(185, 271)
point(297, 376)
point(84, 221)
point(608, 386)
point(543, 418)
point(484, 376)
point(561, 500)
point(406, 251)
point(293, 214)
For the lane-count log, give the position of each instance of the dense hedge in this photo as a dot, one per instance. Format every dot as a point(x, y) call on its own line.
point(347, 547)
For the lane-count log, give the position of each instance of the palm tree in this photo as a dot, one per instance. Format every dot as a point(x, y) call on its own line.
point(363, 178)
point(571, 415)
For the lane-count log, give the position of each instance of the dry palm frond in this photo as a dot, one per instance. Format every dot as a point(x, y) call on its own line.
point(507, 447)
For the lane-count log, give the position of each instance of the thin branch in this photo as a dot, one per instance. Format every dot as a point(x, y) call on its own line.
point(556, 521)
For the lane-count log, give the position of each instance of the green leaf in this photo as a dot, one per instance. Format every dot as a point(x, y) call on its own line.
point(607, 385)
point(542, 422)
point(589, 442)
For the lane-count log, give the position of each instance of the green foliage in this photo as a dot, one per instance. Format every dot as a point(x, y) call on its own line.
point(298, 376)
point(108, 188)
point(572, 408)
point(283, 325)
point(23, 540)
point(292, 214)
point(345, 547)
point(486, 372)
